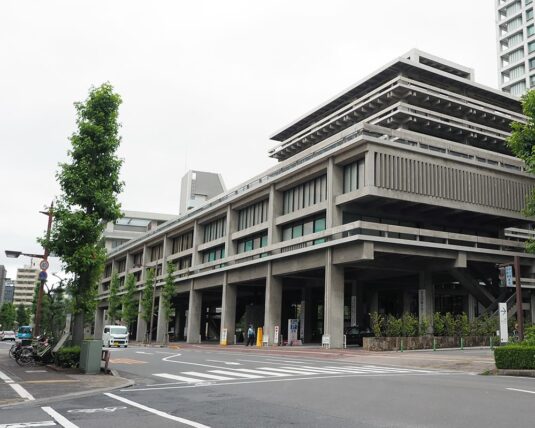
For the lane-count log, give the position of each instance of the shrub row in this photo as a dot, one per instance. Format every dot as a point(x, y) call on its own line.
point(68, 356)
point(517, 357)
point(447, 324)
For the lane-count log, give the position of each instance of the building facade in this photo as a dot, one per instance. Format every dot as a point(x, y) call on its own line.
point(197, 187)
point(27, 277)
point(3, 273)
point(132, 224)
point(397, 195)
point(515, 35)
point(9, 290)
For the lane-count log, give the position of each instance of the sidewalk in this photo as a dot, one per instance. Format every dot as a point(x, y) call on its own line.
point(41, 383)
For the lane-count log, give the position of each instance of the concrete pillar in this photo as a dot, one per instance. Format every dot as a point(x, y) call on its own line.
point(141, 333)
point(472, 304)
point(194, 315)
point(305, 316)
point(426, 297)
point(335, 187)
point(232, 226)
point(354, 303)
point(273, 304)
point(228, 310)
point(180, 322)
point(197, 240)
point(334, 301)
point(99, 323)
point(274, 210)
point(162, 326)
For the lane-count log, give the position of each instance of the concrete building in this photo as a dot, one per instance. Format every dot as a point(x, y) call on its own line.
point(9, 290)
point(515, 34)
point(3, 273)
point(27, 277)
point(398, 194)
point(197, 187)
point(132, 225)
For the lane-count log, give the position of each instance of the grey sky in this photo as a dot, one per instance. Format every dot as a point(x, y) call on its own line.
point(204, 83)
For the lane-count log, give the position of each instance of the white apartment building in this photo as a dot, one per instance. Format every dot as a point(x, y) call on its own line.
point(25, 285)
point(515, 41)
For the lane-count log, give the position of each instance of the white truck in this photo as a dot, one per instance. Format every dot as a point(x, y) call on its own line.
point(115, 335)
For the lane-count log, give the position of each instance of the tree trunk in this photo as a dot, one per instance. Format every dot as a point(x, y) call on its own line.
point(78, 329)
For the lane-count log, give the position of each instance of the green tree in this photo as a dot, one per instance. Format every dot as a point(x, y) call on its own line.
point(53, 312)
point(22, 315)
point(130, 306)
point(114, 300)
point(522, 144)
point(90, 185)
point(146, 301)
point(168, 293)
point(8, 314)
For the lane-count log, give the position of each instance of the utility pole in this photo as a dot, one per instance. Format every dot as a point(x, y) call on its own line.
point(42, 275)
point(519, 309)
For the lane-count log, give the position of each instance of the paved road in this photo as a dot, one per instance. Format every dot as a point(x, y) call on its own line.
point(207, 387)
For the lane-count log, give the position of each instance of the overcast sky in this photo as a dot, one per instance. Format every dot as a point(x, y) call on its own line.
point(204, 83)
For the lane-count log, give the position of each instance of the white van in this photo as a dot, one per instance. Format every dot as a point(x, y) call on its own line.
point(115, 335)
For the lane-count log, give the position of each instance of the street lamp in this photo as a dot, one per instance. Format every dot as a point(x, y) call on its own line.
point(43, 265)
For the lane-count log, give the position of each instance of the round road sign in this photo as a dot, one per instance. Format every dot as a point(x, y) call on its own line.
point(44, 265)
point(42, 275)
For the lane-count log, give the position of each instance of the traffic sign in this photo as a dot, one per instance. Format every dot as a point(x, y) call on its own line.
point(44, 264)
point(42, 275)
point(509, 276)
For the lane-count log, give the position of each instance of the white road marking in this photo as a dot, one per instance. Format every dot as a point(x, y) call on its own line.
point(5, 378)
point(35, 371)
point(521, 390)
point(60, 419)
point(157, 412)
point(291, 371)
point(21, 391)
point(317, 369)
point(233, 373)
point(28, 424)
point(103, 410)
point(230, 363)
point(144, 353)
point(207, 376)
point(180, 378)
point(262, 372)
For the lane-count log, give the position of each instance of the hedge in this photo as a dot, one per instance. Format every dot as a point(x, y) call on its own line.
point(519, 357)
point(68, 356)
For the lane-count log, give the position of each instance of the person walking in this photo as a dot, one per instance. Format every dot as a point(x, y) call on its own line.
point(250, 336)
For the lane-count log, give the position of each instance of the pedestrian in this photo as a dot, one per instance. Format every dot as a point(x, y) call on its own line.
point(250, 336)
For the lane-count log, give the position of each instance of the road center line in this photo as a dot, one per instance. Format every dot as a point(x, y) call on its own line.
point(60, 419)
point(157, 412)
point(28, 424)
point(521, 390)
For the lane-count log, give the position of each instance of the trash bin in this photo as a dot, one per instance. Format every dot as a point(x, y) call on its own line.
point(90, 356)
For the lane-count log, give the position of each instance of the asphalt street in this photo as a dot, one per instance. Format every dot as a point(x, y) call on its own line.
point(213, 388)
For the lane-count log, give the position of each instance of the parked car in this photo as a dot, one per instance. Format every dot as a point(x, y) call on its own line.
point(7, 335)
point(115, 335)
point(24, 332)
point(354, 335)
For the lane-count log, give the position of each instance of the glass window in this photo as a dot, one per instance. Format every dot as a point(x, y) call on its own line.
point(263, 241)
point(529, 14)
point(319, 224)
point(287, 233)
point(297, 231)
point(531, 30)
point(531, 47)
point(532, 81)
point(532, 63)
point(249, 245)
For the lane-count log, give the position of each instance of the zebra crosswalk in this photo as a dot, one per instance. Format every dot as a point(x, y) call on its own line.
point(266, 372)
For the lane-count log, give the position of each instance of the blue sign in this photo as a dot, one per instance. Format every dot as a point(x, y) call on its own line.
point(509, 276)
point(42, 276)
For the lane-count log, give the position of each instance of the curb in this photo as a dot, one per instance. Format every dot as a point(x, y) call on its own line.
point(125, 384)
point(517, 373)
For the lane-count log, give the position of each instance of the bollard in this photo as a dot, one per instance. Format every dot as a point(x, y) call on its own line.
point(462, 343)
point(434, 344)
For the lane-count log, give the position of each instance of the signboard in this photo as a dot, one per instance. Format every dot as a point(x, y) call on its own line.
point(42, 276)
point(44, 265)
point(326, 341)
point(509, 276)
point(293, 325)
point(223, 340)
point(504, 334)
point(353, 310)
point(276, 335)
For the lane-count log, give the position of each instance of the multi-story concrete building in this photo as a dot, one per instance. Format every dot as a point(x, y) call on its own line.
point(3, 273)
point(398, 194)
point(197, 187)
point(515, 34)
point(132, 225)
point(9, 290)
point(27, 277)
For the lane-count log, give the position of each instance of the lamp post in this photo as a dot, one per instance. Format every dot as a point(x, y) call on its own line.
point(43, 265)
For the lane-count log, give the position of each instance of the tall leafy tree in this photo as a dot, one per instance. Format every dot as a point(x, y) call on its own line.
point(130, 305)
point(522, 143)
point(22, 315)
point(168, 293)
point(146, 301)
point(8, 314)
point(114, 300)
point(90, 184)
